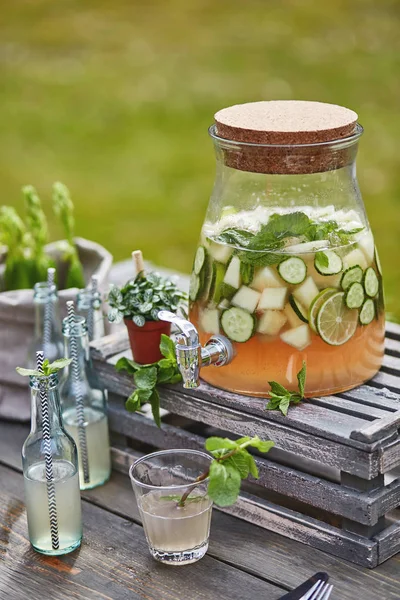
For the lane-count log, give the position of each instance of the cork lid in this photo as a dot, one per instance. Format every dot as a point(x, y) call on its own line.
point(285, 122)
point(288, 125)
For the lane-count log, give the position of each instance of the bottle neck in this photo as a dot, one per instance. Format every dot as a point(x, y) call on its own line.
point(47, 316)
point(76, 347)
point(45, 389)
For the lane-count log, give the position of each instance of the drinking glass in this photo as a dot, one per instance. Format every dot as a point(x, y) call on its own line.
point(176, 535)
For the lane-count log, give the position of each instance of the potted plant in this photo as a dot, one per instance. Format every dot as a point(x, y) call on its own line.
point(25, 255)
point(138, 304)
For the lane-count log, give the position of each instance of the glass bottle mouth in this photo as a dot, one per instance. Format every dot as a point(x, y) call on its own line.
point(42, 291)
point(338, 144)
point(78, 329)
point(49, 382)
point(87, 299)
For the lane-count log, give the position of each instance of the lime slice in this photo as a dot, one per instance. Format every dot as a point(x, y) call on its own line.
point(316, 305)
point(336, 323)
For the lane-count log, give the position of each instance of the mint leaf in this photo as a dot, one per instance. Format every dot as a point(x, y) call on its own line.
point(217, 443)
point(284, 405)
point(293, 224)
point(235, 237)
point(277, 388)
point(239, 461)
point(246, 272)
point(252, 465)
point(261, 445)
point(224, 485)
point(146, 378)
point(133, 404)
point(260, 259)
point(301, 378)
point(125, 364)
point(167, 347)
point(165, 375)
point(58, 364)
point(175, 378)
point(28, 372)
point(155, 407)
point(166, 363)
point(322, 259)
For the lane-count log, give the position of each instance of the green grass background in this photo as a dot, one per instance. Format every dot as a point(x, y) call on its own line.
point(114, 98)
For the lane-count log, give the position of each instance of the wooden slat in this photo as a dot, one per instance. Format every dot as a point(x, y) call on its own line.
point(257, 550)
point(113, 563)
point(391, 364)
point(366, 394)
point(314, 491)
point(373, 432)
point(392, 347)
point(349, 407)
point(383, 379)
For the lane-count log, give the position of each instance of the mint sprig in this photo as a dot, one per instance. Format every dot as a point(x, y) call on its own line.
point(281, 398)
point(232, 463)
point(260, 249)
point(148, 377)
point(48, 368)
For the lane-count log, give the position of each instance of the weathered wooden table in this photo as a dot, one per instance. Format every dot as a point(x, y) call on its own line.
point(244, 562)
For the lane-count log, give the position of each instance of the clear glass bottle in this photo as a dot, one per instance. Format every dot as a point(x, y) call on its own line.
point(89, 305)
point(274, 295)
point(84, 408)
point(47, 333)
point(53, 504)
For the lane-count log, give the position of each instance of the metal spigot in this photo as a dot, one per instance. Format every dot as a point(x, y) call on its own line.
point(190, 356)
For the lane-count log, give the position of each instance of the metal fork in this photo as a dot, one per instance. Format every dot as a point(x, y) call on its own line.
point(320, 591)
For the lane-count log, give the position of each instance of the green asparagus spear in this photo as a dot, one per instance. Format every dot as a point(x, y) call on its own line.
point(13, 235)
point(64, 209)
point(38, 235)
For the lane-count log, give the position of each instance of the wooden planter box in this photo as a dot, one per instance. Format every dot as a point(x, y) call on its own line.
point(331, 480)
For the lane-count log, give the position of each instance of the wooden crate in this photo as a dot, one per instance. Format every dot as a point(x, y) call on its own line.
point(331, 480)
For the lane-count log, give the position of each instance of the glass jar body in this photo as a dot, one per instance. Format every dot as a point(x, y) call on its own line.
point(281, 252)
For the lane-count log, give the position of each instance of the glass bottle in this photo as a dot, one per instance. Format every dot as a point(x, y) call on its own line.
point(51, 479)
point(325, 310)
point(84, 408)
point(89, 305)
point(47, 333)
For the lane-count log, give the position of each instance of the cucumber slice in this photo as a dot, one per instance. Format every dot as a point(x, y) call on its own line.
point(371, 282)
point(238, 324)
point(246, 273)
point(266, 277)
point(306, 292)
point(194, 286)
point(246, 298)
point(378, 262)
point(298, 309)
point(293, 270)
point(218, 272)
point(272, 299)
point(209, 320)
point(299, 337)
point(354, 295)
point(351, 275)
point(367, 312)
point(232, 275)
point(271, 322)
point(316, 305)
point(199, 260)
point(328, 263)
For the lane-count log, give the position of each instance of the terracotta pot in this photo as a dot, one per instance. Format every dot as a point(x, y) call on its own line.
point(145, 341)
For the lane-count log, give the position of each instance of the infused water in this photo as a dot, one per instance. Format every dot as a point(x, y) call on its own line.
point(68, 502)
point(287, 286)
point(172, 529)
point(97, 441)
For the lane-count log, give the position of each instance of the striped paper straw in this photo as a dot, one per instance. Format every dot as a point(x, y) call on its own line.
point(51, 487)
point(78, 392)
point(48, 314)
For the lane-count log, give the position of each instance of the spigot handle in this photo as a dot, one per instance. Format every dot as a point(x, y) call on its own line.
point(189, 331)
